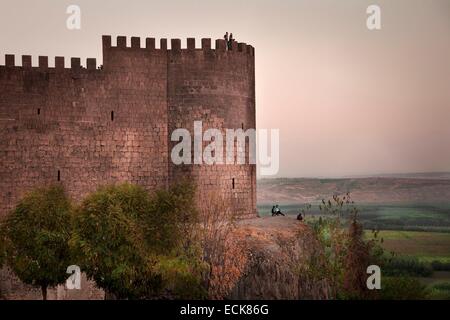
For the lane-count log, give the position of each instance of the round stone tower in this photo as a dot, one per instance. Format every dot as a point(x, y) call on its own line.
point(216, 87)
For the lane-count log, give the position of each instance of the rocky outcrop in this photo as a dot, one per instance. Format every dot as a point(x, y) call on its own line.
point(276, 247)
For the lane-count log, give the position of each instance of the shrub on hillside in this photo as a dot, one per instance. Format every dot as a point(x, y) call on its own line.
point(440, 266)
point(440, 291)
point(406, 266)
point(223, 252)
point(343, 255)
point(402, 288)
point(342, 258)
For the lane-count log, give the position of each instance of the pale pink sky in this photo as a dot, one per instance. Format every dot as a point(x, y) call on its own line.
point(348, 101)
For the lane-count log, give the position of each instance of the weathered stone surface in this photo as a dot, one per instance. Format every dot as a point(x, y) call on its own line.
point(276, 246)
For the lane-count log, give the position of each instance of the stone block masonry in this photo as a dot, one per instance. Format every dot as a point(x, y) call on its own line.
point(91, 125)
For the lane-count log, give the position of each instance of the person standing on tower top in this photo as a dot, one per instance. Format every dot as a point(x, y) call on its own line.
point(230, 42)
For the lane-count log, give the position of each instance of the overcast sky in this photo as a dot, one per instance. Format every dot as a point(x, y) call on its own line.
point(348, 101)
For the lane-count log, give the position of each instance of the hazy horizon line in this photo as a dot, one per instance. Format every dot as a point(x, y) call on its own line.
point(374, 175)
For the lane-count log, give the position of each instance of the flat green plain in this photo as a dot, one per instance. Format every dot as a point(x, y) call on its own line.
point(426, 246)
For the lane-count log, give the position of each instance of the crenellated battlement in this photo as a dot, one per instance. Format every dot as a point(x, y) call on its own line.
point(75, 63)
point(136, 43)
point(176, 46)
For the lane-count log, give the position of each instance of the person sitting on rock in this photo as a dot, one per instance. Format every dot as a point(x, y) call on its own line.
point(300, 217)
point(273, 211)
point(276, 211)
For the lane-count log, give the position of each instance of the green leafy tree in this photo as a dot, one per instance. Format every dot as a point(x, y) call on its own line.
point(171, 221)
point(136, 246)
point(109, 242)
point(36, 235)
point(171, 229)
point(403, 288)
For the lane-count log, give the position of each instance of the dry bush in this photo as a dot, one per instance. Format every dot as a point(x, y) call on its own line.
point(223, 250)
point(355, 262)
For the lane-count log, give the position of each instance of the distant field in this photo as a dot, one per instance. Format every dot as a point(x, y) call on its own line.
point(419, 217)
point(426, 246)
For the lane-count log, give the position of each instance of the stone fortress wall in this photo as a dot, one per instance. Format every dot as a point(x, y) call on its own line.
point(89, 126)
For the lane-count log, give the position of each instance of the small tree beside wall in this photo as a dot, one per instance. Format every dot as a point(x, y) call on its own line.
point(35, 238)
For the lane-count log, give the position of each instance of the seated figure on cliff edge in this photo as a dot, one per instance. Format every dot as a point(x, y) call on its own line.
point(276, 211)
